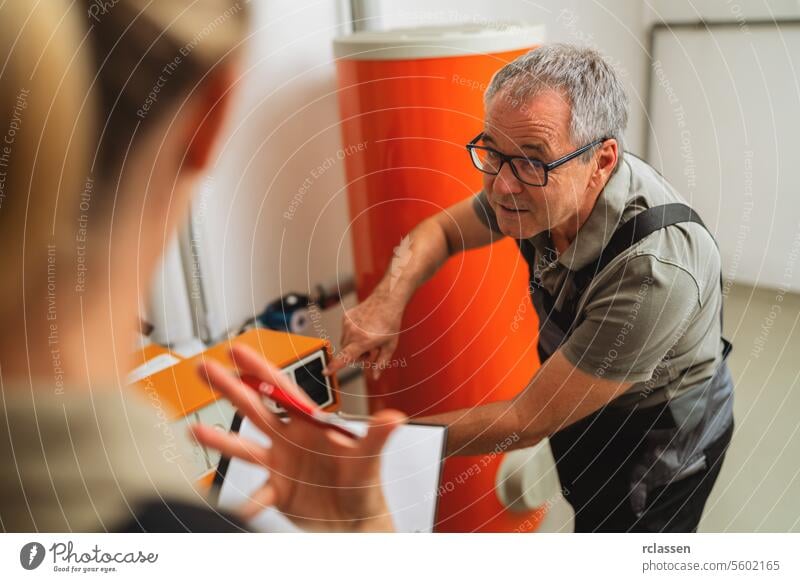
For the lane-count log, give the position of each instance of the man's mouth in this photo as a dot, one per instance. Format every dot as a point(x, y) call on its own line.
point(514, 209)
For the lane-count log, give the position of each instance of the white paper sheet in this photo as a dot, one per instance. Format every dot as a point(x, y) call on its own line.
point(411, 468)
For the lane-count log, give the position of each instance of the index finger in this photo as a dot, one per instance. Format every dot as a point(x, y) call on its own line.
point(348, 354)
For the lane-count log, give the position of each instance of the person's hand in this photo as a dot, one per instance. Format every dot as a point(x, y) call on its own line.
point(370, 332)
point(320, 479)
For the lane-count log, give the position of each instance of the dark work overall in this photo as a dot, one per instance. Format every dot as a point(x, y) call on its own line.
point(636, 468)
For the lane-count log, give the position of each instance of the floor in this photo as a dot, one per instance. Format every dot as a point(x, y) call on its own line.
point(759, 487)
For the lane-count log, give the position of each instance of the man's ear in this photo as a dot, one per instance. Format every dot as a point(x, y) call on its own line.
point(606, 159)
point(207, 116)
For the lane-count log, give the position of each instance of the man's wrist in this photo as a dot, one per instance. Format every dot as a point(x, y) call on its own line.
point(394, 292)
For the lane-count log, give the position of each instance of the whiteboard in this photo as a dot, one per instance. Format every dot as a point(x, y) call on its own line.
point(724, 130)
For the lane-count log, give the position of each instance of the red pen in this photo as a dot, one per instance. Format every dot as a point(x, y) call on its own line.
point(310, 413)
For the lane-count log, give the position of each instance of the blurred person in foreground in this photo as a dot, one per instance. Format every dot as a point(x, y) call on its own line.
point(110, 113)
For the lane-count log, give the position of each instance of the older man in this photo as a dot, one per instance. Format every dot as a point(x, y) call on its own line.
point(634, 392)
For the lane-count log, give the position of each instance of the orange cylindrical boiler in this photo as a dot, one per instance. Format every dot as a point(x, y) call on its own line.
point(410, 100)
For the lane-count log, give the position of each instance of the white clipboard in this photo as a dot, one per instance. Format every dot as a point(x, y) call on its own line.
point(411, 470)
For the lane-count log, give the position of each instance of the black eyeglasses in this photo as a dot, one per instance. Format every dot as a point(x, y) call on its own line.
point(527, 170)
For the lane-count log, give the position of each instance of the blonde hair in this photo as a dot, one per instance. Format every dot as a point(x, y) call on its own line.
point(75, 81)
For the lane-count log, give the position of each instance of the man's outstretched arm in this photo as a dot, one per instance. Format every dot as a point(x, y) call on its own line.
point(557, 396)
point(371, 328)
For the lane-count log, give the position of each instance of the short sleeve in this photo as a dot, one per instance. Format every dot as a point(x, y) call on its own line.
point(485, 213)
point(632, 319)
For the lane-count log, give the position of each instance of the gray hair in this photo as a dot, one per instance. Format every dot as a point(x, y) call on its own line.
point(599, 106)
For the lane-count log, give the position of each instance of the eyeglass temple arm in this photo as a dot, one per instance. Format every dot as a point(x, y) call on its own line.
point(554, 164)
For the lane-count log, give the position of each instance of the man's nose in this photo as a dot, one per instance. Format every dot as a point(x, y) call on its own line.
point(506, 182)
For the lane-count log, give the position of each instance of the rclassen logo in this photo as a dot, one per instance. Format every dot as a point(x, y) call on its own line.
point(31, 555)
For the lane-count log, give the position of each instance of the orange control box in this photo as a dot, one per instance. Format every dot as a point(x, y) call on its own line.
point(188, 400)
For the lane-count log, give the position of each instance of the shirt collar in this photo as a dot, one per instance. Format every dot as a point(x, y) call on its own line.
point(595, 233)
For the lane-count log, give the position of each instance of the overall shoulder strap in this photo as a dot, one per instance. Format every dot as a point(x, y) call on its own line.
point(634, 230)
point(627, 235)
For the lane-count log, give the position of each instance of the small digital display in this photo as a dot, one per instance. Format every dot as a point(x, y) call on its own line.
point(310, 378)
